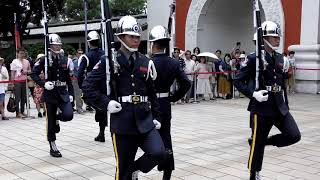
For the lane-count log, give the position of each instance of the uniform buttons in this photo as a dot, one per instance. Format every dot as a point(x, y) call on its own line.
point(275, 77)
point(133, 84)
point(134, 93)
point(132, 75)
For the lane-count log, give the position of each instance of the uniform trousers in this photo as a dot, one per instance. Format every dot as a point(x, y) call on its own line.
point(261, 126)
point(51, 117)
point(125, 148)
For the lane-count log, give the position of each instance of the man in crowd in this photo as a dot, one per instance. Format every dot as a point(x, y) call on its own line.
point(20, 68)
point(189, 70)
point(75, 76)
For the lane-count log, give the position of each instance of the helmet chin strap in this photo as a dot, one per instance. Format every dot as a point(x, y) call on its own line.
point(127, 47)
point(272, 47)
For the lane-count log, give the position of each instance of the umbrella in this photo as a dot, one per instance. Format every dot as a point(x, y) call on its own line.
point(208, 54)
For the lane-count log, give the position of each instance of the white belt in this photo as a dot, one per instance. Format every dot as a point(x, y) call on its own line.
point(133, 99)
point(162, 95)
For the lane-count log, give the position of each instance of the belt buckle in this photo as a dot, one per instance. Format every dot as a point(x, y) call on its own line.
point(135, 99)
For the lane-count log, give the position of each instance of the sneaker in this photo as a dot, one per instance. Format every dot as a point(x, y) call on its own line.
point(135, 175)
point(24, 115)
point(39, 115)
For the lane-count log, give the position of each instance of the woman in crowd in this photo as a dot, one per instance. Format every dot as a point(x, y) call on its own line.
point(196, 51)
point(203, 83)
point(4, 76)
point(38, 93)
point(225, 78)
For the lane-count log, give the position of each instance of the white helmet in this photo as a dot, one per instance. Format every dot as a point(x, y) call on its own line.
point(128, 25)
point(54, 39)
point(270, 28)
point(93, 35)
point(158, 33)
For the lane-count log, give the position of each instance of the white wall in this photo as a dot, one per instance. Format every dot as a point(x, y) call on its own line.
point(158, 13)
point(222, 23)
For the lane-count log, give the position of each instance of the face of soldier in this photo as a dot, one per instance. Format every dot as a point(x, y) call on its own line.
point(274, 41)
point(56, 48)
point(131, 41)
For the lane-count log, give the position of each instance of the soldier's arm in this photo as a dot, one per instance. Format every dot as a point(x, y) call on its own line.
point(152, 97)
point(242, 78)
point(81, 70)
point(36, 71)
point(184, 85)
point(92, 93)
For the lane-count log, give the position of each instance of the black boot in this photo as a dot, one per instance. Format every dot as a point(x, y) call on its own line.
point(100, 138)
point(167, 174)
point(250, 141)
point(54, 152)
point(255, 175)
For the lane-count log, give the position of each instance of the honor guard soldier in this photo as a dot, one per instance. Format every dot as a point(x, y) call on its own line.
point(269, 104)
point(86, 64)
point(168, 70)
point(58, 90)
point(132, 104)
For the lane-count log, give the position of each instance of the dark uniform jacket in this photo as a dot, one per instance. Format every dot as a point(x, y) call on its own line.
point(245, 83)
point(94, 56)
point(133, 118)
point(57, 71)
point(168, 70)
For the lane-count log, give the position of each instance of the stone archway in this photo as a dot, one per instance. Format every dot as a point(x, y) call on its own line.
point(272, 9)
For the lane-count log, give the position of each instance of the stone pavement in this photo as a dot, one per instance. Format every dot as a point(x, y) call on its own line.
point(210, 142)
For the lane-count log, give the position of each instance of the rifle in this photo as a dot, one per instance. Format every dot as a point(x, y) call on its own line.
point(46, 41)
point(108, 47)
point(171, 27)
point(260, 51)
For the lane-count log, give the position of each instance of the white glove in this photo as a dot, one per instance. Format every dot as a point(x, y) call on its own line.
point(49, 85)
point(157, 124)
point(114, 107)
point(71, 98)
point(259, 95)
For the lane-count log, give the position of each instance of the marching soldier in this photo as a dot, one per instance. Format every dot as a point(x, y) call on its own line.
point(269, 104)
point(168, 70)
point(86, 64)
point(132, 104)
point(58, 90)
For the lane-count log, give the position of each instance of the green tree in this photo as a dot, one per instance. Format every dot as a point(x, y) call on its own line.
point(73, 9)
point(26, 11)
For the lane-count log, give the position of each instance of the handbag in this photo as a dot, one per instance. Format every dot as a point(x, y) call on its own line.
point(11, 106)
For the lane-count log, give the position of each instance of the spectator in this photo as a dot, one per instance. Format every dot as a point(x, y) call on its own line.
point(291, 72)
point(77, 90)
point(212, 79)
point(176, 55)
point(217, 64)
point(194, 58)
point(235, 65)
point(196, 51)
point(203, 84)
point(4, 76)
point(189, 70)
point(225, 78)
point(30, 82)
point(38, 91)
point(20, 67)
